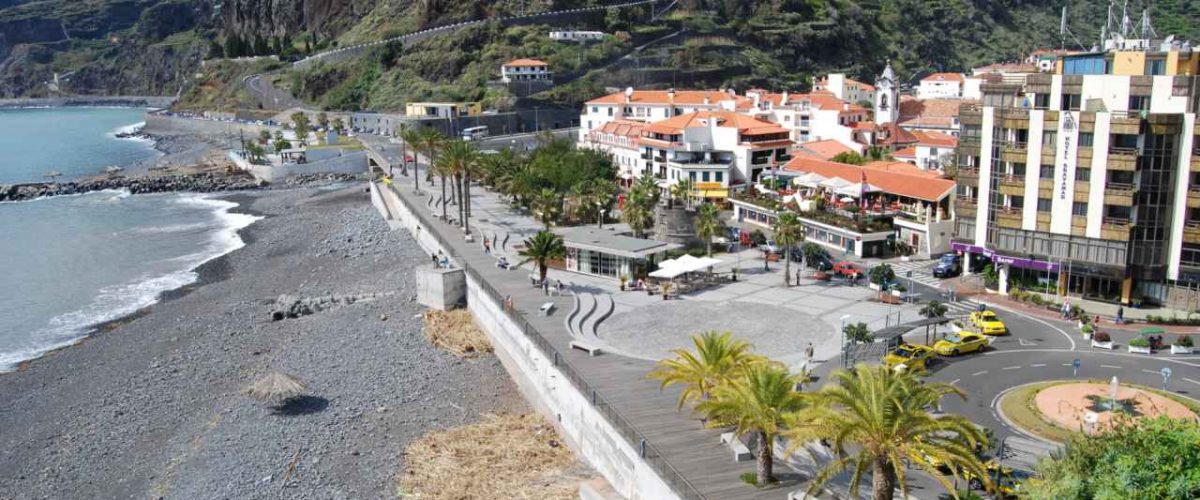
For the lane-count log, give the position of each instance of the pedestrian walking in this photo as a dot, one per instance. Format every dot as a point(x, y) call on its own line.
point(1066, 309)
point(808, 353)
point(1120, 315)
point(487, 247)
point(435, 259)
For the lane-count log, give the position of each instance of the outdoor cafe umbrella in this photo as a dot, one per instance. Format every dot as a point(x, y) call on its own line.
point(275, 387)
point(835, 183)
point(858, 189)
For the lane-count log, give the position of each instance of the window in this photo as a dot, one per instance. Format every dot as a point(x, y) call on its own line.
point(589, 125)
point(610, 111)
point(1079, 208)
point(1041, 101)
point(1139, 102)
point(1085, 66)
point(1049, 138)
point(1016, 202)
point(1070, 102)
point(1046, 172)
point(1085, 139)
point(692, 176)
point(1017, 170)
point(1043, 205)
point(720, 177)
point(1123, 142)
point(1083, 174)
point(1156, 67)
point(704, 176)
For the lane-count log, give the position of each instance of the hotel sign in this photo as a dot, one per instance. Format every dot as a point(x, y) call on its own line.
point(1064, 174)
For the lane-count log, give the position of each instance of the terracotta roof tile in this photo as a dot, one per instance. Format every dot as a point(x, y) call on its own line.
point(525, 62)
point(661, 97)
point(909, 152)
point(935, 139)
point(890, 177)
point(747, 125)
point(944, 77)
point(825, 149)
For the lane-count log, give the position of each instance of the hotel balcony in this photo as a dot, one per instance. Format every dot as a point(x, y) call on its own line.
point(1193, 197)
point(1118, 194)
point(1083, 187)
point(1196, 161)
point(1124, 123)
point(1114, 229)
point(1122, 159)
point(1012, 186)
point(1083, 156)
point(965, 209)
point(1009, 218)
point(1191, 232)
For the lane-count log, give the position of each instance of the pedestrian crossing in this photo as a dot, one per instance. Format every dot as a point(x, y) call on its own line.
point(921, 272)
point(961, 307)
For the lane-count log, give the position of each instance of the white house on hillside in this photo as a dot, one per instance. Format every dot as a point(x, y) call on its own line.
point(521, 70)
point(843, 88)
point(941, 86)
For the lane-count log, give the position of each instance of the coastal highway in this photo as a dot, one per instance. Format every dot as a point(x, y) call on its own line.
point(267, 95)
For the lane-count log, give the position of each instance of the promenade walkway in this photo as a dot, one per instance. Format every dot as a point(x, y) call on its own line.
point(688, 456)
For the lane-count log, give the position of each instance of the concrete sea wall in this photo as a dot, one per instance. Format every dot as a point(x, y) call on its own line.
point(548, 388)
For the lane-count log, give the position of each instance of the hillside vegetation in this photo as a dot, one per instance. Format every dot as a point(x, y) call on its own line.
point(155, 46)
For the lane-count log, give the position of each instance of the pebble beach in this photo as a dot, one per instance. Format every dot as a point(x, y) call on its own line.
point(150, 405)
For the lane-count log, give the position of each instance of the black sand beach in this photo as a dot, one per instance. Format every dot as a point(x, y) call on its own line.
point(150, 407)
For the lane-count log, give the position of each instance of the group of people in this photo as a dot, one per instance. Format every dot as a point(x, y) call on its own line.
point(440, 260)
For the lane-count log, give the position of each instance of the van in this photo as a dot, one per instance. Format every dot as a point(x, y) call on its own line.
point(475, 133)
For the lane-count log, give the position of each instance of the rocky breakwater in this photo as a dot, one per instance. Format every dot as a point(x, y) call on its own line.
point(199, 183)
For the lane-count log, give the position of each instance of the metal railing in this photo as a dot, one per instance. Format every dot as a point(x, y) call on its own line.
point(646, 449)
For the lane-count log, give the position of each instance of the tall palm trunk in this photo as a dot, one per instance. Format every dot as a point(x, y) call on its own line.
point(445, 216)
point(766, 460)
point(787, 267)
point(467, 202)
point(462, 212)
point(429, 170)
point(883, 483)
point(542, 270)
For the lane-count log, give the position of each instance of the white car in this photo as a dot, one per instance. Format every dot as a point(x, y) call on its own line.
point(770, 246)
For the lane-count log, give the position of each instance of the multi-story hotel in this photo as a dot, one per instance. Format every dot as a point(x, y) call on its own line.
point(1089, 176)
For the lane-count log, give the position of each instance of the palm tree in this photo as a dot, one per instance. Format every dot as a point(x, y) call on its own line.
point(639, 206)
point(758, 403)
point(717, 359)
point(788, 233)
point(882, 415)
point(682, 190)
point(429, 140)
point(458, 159)
point(708, 224)
point(411, 137)
point(541, 248)
point(547, 204)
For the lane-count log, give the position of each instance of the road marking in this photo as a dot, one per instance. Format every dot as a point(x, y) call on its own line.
point(1110, 366)
point(1150, 371)
point(1067, 364)
point(1011, 368)
point(1192, 381)
point(976, 374)
point(1026, 342)
point(1039, 365)
point(955, 381)
point(1057, 329)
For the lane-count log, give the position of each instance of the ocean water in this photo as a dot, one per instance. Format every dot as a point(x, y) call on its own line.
point(68, 263)
point(73, 141)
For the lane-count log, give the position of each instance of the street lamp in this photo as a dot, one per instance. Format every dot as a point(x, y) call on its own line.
point(600, 219)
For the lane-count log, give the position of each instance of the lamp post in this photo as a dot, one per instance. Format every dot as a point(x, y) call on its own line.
point(600, 218)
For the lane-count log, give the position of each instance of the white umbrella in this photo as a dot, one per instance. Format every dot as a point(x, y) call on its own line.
point(857, 189)
point(811, 179)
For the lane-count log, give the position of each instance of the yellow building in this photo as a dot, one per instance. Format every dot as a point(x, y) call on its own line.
point(442, 109)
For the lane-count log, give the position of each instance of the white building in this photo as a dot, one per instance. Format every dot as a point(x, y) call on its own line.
point(941, 86)
point(932, 151)
point(576, 36)
point(887, 97)
point(621, 139)
point(653, 105)
point(717, 150)
point(846, 89)
point(521, 70)
point(816, 116)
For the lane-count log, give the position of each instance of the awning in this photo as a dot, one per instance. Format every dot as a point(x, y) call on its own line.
point(711, 193)
point(835, 183)
point(857, 189)
point(811, 179)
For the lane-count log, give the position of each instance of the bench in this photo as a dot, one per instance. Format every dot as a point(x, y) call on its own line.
point(591, 349)
point(740, 450)
point(545, 309)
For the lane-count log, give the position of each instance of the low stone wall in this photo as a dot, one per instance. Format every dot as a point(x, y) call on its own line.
point(165, 125)
point(540, 380)
point(350, 163)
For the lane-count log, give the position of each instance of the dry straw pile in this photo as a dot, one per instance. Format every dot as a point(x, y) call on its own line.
point(455, 331)
point(510, 456)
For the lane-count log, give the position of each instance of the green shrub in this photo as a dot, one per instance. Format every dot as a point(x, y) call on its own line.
point(1139, 342)
point(1088, 329)
point(1183, 341)
point(749, 478)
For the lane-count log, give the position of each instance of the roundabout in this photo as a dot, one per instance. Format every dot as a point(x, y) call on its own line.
point(1056, 410)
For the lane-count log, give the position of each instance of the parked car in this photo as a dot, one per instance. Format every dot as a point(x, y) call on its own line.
point(819, 262)
point(846, 268)
point(769, 246)
point(912, 357)
point(948, 266)
point(988, 323)
point(960, 343)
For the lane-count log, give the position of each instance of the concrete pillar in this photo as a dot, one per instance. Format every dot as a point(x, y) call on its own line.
point(1003, 272)
point(1127, 291)
point(441, 289)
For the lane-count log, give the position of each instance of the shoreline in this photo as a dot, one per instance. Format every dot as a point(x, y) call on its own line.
point(154, 395)
point(87, 101)
point(213, 270)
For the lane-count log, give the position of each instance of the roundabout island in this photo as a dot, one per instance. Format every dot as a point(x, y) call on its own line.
point(1055, 410)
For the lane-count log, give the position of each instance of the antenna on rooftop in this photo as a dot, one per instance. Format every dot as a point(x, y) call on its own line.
point(1147, 28)
point(1064, 32)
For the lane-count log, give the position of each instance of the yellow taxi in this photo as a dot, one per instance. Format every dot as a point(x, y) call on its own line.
point(1007, 485)
point(988, 323)
point(960, 343)
point(912, 357)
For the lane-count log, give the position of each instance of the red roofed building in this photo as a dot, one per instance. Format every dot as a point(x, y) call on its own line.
point(654, 105)
point(821, 150)
point(621, 139)
point(522, 70)
point(844, 88)
point(714, 149)
point(941, 86)
point(815, 116)
point(931, 115)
